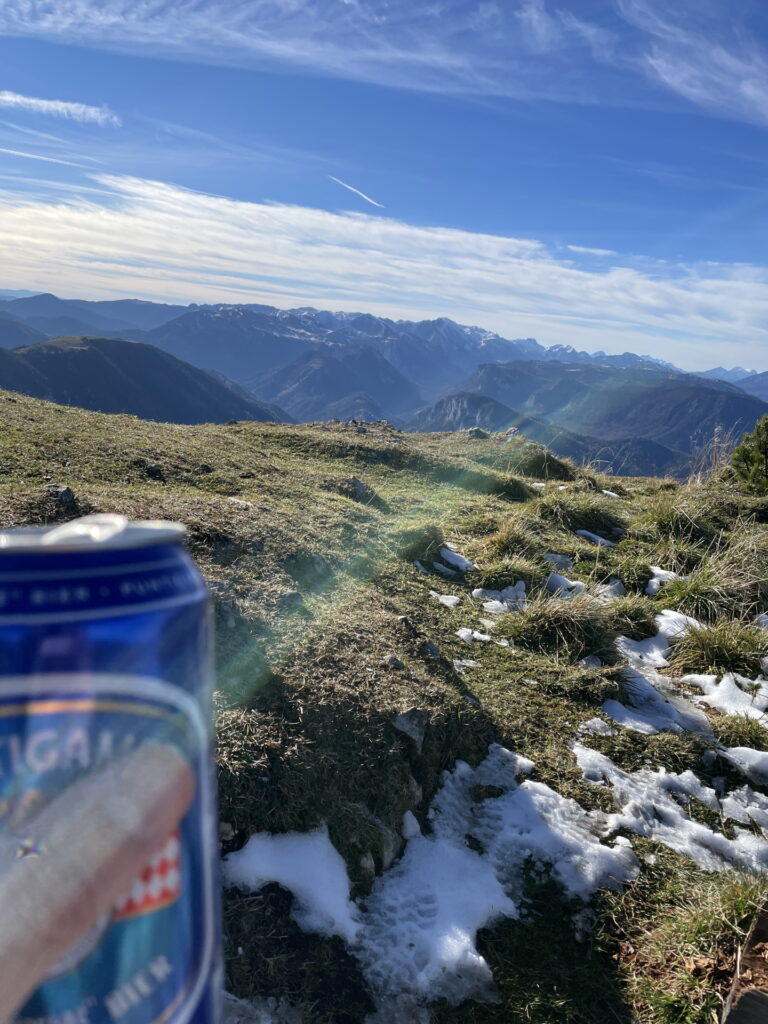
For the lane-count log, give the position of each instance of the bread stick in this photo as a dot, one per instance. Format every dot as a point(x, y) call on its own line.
point(93, 840)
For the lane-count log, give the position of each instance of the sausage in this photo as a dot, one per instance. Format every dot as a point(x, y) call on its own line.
point(92, 842)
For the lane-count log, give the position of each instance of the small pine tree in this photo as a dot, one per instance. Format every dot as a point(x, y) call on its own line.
point(750, 459)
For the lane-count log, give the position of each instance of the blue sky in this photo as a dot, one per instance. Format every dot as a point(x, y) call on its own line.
point(590, 172)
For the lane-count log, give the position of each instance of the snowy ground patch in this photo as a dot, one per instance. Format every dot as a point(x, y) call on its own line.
point(659, 579)
point(652, 804)
point(417, 942)
point(593, 538)
point(732, 695)
point(309, 865)
point(456, 560)
point(449, 600)
point(563, 587)
point(496, 602)
point(654, 651)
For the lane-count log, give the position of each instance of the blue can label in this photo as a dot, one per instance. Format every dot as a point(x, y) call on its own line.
point(66, 742)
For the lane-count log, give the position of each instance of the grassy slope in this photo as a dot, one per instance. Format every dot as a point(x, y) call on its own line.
point(305, 703)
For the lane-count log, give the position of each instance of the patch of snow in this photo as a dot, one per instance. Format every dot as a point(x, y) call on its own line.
point(562, 487)
point(417, 943)
point(733, 694)
point(307, 864)
point(470, 636)
point(645, 710)
point(455, 559)
point(562, 562)
point(498, 601)
point(444, 570)
point(762, 621)
point(447, 599)
point(411, 827)
point(596, 727)
point(557, 584)
point(591, 661)
point(462, 664)
point(610, 591)
point(659, 579)
point(593, 538)
point(611, 494)
point(751, 763)
point(420, 567)
point(652, 805)
point(538, 485)
point(654, 650)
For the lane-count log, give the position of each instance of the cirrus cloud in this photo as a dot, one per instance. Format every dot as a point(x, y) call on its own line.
point(133, 236)
point(82, 112)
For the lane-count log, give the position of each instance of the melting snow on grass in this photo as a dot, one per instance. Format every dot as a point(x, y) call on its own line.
point(659, 579)
point(593, 538)
point(417, 942)
point(309, 865)
point(415, 934)
point(733, 694)
point(654, 651)
point(449, 600)
point(652, 804)
point(455, 559)
point(496, 602)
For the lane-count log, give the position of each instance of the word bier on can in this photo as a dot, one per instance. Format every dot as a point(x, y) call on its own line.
point(108, 889)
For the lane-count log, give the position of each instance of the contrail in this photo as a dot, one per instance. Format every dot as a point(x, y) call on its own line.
point(356, 191)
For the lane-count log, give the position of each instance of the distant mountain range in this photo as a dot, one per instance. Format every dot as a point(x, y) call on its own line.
point(197, 362)
point(109, 375)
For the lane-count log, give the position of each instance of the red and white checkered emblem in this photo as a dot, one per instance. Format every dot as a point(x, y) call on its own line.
point(158, 885)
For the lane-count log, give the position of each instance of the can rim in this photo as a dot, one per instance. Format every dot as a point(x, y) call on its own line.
point(101, 532)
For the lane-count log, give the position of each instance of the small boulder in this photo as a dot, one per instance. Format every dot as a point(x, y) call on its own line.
point(393, 662)
point(413, 723)
point(477, 432)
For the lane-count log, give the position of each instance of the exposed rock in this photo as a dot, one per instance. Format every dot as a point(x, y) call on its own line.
point(290, 601)
point(413, 723)
point(393, 662)
point(430, 650)
point(64, 499)
point(477, 432)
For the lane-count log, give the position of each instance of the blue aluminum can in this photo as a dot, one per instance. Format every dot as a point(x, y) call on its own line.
point(109, 907)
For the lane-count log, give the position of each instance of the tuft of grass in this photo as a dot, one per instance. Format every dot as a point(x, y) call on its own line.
point(535, 461)
point(725, 646)
point(534, 572)
point(513, 539)
point(685, 514)
point(673, 936)
point(740, 731)
point(417, 540)
point(633, 616)
point(585, 511)
point(569, 629)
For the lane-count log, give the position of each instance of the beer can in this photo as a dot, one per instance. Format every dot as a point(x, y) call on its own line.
point(109, 904)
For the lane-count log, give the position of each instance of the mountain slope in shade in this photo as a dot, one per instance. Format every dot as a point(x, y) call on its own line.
point(626, 457)
point(313, 385)
point(755, 385)
point(673, 409)
point(13, 333)
point(239, 342)
point(110, 375)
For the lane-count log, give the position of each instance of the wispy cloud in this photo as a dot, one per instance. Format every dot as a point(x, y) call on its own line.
point(158, 240)
point(705, 55)
point(59, 108)
point(356, 191)
point(514, 48)
point(39, 156)
point(587, 251)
